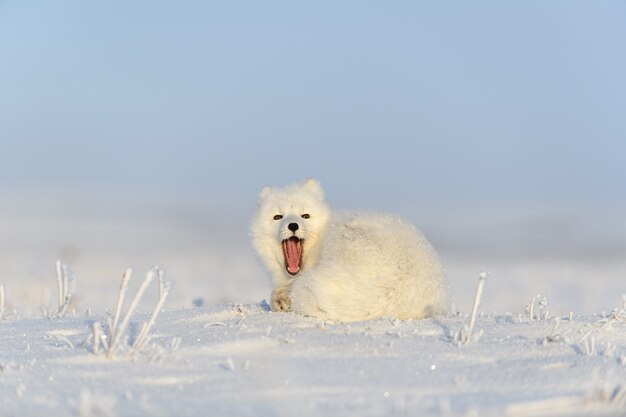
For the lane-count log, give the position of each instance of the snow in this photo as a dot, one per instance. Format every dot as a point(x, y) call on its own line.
point(216, 349)
point(246, 360)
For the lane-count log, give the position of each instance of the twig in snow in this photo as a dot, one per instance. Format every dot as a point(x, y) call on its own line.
point(120, 300)
point(609, 350)
point(617, 315)
point(145, 329)
point(215, 323)
point(464, 336)
point(117, 330)
point(228, 365)
point(65, 280)
point(164, 287)
point(555, 337)
point(97, 338)
point(65, 340)
point(541, 312)
point(60, 281)
point(175, 344)
point(589, 344)
point(117, 335)
point(477, 297)
point(1, 300)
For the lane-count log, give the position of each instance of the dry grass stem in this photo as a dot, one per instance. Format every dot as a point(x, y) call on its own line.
point(65, 280)
point(1, 300)
point(120, 300)
point(464, 336)
point(119, 323)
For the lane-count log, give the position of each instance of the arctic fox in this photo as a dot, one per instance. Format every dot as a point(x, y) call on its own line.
point(346, 266)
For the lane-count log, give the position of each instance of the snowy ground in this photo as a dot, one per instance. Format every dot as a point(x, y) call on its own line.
point(216, 350)
point(244, 360)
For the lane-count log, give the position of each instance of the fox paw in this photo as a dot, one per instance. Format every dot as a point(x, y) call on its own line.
point(280, 301)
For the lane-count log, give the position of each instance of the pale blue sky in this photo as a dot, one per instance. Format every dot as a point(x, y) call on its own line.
point(512, 100)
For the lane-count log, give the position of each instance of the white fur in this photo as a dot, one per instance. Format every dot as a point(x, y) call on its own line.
point(355, 266)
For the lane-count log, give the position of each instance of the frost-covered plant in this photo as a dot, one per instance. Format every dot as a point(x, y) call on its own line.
point(588, 343)
point(98, 338)
point(120, 300)
point(117, 326)
point(609, 350)
point(555, 336)
point(537, 308)
point(65, 284)
point(145, 329)
point(615, 317)
point(618, 315)
point(464, 335)
point(1, 300)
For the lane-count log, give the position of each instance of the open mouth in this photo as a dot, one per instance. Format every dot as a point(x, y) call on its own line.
point(292, 249)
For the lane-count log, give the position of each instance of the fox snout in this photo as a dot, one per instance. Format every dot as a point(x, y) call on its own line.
point(289, 228)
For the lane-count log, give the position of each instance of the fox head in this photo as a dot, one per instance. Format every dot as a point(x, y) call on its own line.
point(288, 225)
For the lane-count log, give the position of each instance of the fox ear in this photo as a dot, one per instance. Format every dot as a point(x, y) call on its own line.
point(314, 187)
point(265, 191)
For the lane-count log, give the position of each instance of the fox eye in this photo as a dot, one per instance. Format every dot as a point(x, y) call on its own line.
point(278, 217)
point(305, 216)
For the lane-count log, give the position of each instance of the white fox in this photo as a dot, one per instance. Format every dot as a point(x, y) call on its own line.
point(346, 266)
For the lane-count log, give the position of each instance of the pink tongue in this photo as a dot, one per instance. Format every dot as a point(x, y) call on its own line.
point(292, 254)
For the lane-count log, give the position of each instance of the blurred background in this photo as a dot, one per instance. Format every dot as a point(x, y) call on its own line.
point(139, 133)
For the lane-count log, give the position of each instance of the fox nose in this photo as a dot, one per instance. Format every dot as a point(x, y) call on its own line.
point(293, 227)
